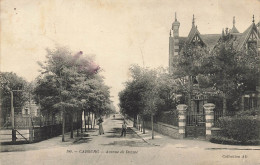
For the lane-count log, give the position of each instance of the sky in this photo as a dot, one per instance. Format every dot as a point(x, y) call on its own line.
point(118, 33)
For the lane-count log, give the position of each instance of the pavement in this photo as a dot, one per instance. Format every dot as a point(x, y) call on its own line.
point(136, 148)
point(162, 140)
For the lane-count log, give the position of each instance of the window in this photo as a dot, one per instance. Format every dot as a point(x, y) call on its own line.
point(26, 111)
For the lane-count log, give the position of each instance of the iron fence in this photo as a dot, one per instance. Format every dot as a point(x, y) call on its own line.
point(195, 119)
point(218, 114)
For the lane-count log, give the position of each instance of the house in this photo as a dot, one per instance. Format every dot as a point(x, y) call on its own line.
point(242, 40)
point(31, 109)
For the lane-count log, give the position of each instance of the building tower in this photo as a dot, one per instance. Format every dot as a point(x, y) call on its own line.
point(173, 42)
point(234, 29)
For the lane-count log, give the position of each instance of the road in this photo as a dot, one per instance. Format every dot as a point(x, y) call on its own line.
point(110, 148)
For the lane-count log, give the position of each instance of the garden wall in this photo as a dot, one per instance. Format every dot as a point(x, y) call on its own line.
point(165, 129)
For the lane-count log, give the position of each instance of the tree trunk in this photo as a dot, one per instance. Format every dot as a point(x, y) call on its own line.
point(52, 123)
point(63, 125)
point(85, 120)
point(92, 120)
point(152, 126)
point(77, 123)
point(71, 126)
point(224, 105)
point(81, 122)
point(88, 118)
point(143, 127)
point(134, 123)
point(138, 122)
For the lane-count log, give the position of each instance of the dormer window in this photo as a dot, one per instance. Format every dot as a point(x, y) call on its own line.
point(197, 41)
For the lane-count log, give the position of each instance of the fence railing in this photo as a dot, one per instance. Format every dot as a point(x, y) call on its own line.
point(195, 119)
point(27, 121)
point(218, 114)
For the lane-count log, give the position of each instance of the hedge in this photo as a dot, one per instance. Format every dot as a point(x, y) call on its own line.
point(224, 140)
point(252, 112)
point(239, 130)
point(168, 117)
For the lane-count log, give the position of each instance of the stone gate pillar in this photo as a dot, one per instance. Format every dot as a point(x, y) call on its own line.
point(182, 119)
point(209, 116)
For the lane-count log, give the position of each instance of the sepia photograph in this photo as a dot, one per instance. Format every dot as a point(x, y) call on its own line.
point(129, 82)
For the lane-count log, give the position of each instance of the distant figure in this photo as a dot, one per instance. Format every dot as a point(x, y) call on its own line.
point(114, 116)
point(100, 121)
point(123, 129)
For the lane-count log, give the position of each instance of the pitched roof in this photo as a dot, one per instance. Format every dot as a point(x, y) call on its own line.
point(210, 39)
point(234, 30)
point(192, 33)
point(258, 24)
point(245, 35)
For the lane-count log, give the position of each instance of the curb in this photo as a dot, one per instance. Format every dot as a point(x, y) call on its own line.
point(132, 128)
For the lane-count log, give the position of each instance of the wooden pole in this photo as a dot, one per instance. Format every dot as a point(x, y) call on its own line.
point(12, 117)
point(30, 121)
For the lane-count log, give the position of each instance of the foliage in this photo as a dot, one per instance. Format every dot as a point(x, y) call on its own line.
point(131, 102)
point(10, 81)
point(224, 140)
point(47, 94)
point(168, 117)
point(97, 97)
point(187, 66)
point(167, 91)
point(148, 92)
point(188, 63)
point(240, 128)
point(225, 71)
point(252, 112)
point(71, 82)
point(231, 71)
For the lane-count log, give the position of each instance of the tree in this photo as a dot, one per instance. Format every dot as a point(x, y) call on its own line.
point(66, 72)
point(231, 71)
point(167, 90)
point(187, 66)
point(131, 102)
point(10, 81)
point(141, 94)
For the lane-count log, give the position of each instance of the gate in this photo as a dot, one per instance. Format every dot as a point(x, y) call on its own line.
point(195, 125)
point(22, 126)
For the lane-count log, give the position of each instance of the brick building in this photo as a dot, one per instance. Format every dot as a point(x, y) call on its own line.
point(242, 40)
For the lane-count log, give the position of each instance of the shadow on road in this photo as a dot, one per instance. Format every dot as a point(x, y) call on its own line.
point(118, 119)
point(82, 140)
point(129, 143)
point(116, 133)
